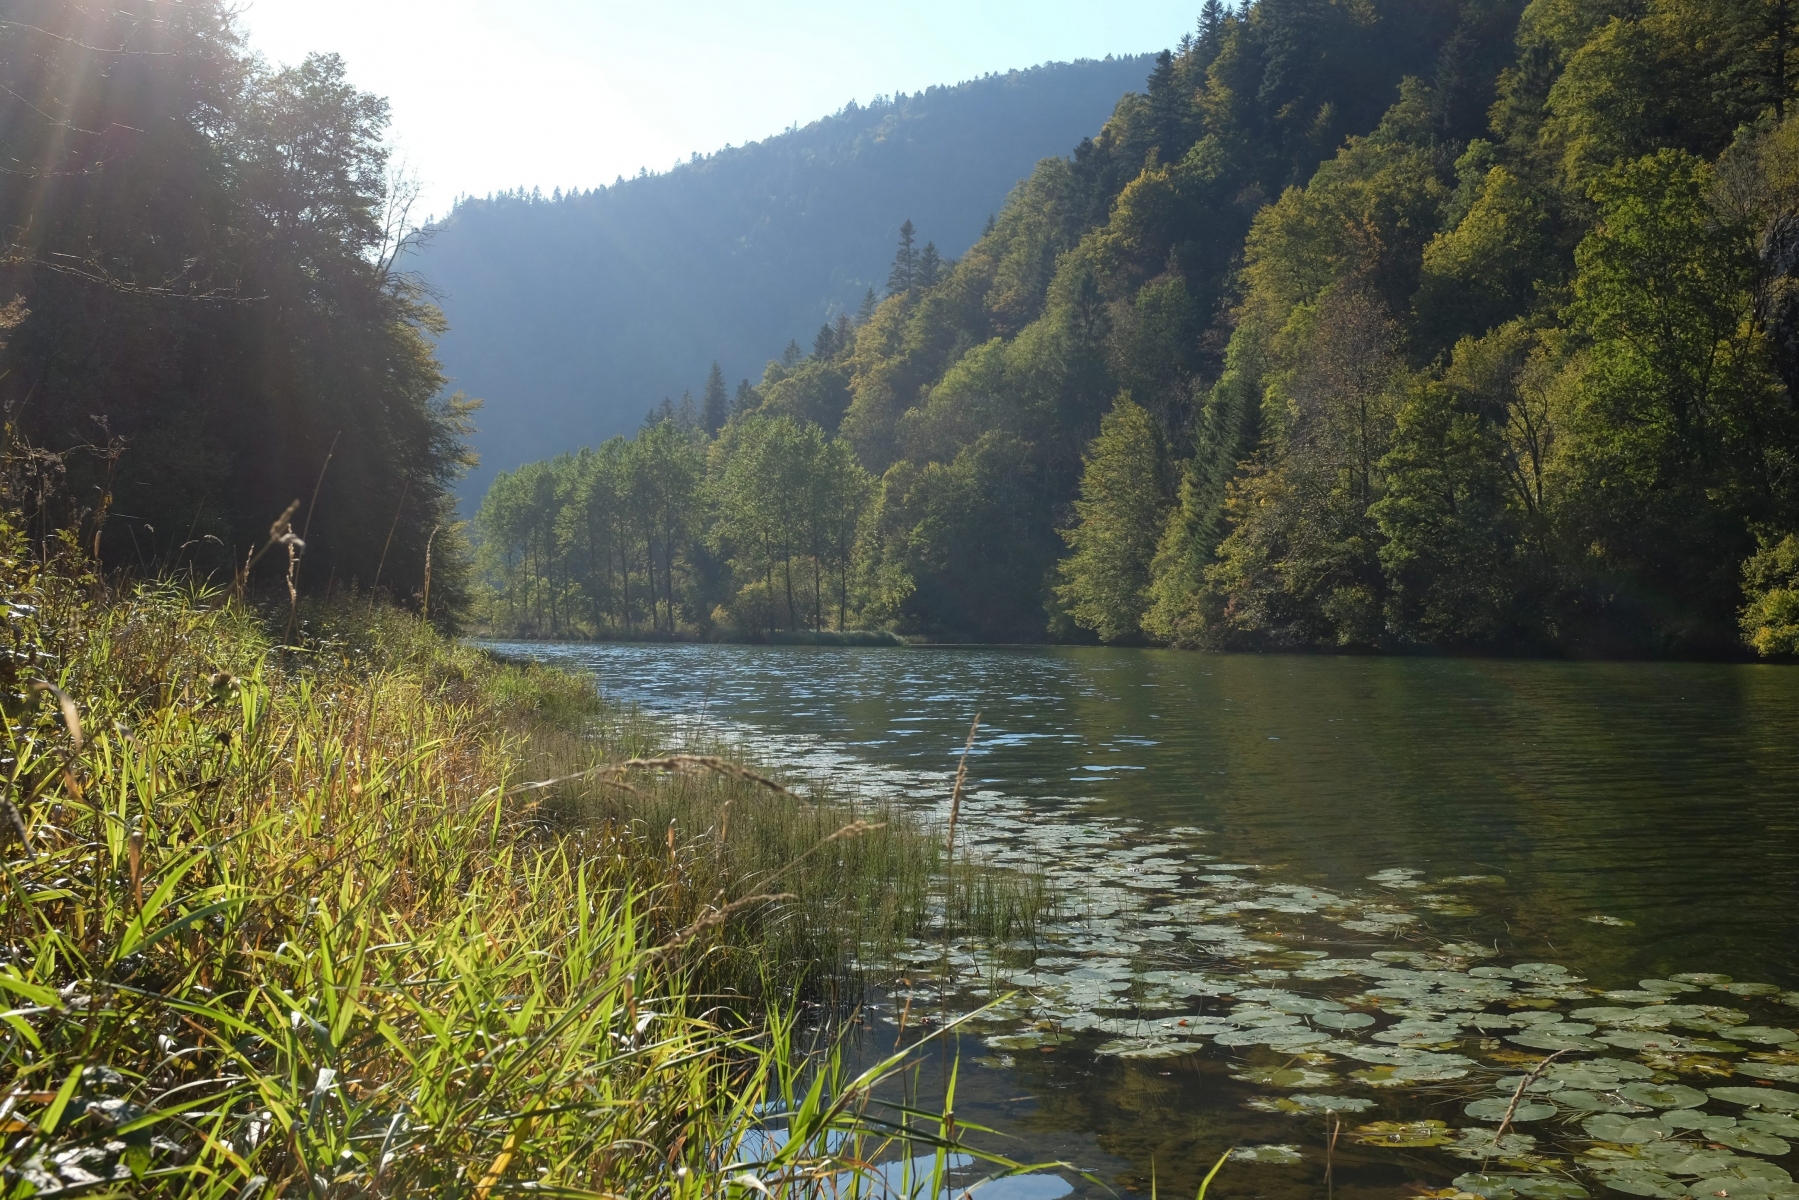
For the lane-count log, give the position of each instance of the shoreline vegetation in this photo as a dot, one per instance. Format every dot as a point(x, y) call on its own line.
point(368, 911)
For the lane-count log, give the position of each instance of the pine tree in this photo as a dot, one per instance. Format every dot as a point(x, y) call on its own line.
point(904, 275)
point(846, 333)
point(714, 408)
point(930, 266)
point(868, 307)
point(824, 346)
point(791, 356)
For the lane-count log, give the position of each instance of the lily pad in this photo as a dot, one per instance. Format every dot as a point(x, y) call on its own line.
point(1532, 1187)
point(1636, 1180)
point(1028, 1041)
point(1478, 1145)
point(1779, 1072)
point(1554, 1038)
point(1692, 1118)
point(1627, 1131)
point(1703, 978)
point(1663, 1095)
point(1342, 1020)
point(1778, 1124)
point(1772, 1099)
point(1405, 1135)
point(1617, 922)
point(1667, 987)
point(1598, 1074)
point(1748, 989)
point(1763, 1035)
point(1493, 1108)
point(1136, 1048)
point(1742, 1137)
point(1278, 1155)
point(1290, 1077)
point(1581, 1100)
point(1304, 1102)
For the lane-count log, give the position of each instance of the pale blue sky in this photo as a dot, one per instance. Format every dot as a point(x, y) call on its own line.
point(493, 94)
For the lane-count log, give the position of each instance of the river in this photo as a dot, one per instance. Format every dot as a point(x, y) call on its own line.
point(1617, 822)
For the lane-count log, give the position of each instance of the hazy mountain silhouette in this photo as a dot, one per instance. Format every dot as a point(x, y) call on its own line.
point(571, 316)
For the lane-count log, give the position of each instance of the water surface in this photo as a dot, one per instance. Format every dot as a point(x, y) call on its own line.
point(1662, 799)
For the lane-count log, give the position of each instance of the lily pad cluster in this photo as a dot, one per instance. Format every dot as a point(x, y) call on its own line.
point(1337, 1005)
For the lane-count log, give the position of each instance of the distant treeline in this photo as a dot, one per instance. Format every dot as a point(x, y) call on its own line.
point(1406, 323)
point(197, 268)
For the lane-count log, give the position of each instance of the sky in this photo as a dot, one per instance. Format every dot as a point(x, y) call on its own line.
point(488, 95)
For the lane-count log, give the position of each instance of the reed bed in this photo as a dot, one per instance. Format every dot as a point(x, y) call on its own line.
point(290, 921)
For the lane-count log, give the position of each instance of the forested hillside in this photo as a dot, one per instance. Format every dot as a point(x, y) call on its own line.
point(572, 314)
point(199, 311)
point(1396, 324)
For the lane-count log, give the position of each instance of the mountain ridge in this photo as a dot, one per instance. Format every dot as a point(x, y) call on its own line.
point(570, 317)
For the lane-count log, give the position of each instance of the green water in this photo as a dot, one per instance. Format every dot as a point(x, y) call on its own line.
point(1661, 797)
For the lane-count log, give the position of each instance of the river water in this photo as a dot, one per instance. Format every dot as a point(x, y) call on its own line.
point(1484, 840)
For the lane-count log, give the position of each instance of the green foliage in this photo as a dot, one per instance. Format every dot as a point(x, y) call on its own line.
point(305, 922)
point(205, 250)
point(1124, 496)
point(1770, 619)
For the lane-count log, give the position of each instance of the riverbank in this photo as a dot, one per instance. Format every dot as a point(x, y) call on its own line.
point(382, 914)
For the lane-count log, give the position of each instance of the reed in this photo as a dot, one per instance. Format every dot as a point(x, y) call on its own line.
point(287, 924)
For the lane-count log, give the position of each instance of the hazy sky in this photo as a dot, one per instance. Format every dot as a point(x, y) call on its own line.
point(493, 94)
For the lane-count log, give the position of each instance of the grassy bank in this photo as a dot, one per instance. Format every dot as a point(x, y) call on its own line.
point(385, 916)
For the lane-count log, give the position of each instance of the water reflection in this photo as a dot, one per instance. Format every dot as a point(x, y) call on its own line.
point(1660, 794)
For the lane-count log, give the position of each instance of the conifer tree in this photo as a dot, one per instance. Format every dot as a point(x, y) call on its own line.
point(904, 275)
point(930, 266)
point(846, 333)
point(824, 346)
point(715, 404)
point(868, 307)
point(746, 398)
point(791, 356)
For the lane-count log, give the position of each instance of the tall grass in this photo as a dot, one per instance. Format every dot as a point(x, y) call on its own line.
point(287, 922)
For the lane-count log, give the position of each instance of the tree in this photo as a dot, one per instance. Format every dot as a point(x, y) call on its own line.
point(867, 309)
point(903, 276)
point(714, 405)
point(1119, 515)
point(930, 266)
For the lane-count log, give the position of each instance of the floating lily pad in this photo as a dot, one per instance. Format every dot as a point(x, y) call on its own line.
point(1554, 1038)
point(1747, 989)
point(1742, 1137)
point(1703, 978)
point(1667, 987)
point(1763, 1035)
point(1581, 1100)
point(1748, 1189)
point(1640, 1039)
point(1772, 1099)
point(1778, 1124)
point(1493, 1108)
point(1478, 1145)
point(1636, 1180)
point(1289, 1077)
point(1627, 1131)
point(1599, 919)
point(1279, 1156)
point(1406, 1135)
point(1306, 1101)
point(1028, 1041)
point(1663, 1095)
point(1342, 1020)
point(1598, 1074)
point(1533, 1187)
point(1692, 1118)
point(1133, 1048)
